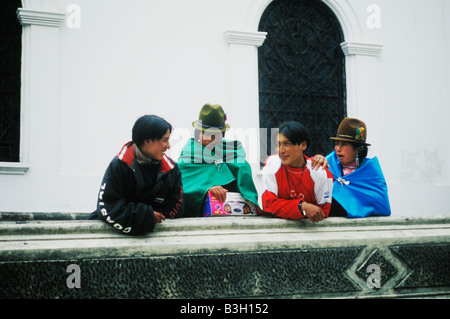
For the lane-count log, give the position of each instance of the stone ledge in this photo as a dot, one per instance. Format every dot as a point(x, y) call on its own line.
point(223, 257)
point(32, 240)
point(51, 222)
point(22, 216)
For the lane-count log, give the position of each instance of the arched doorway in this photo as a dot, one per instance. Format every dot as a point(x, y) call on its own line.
point(301, 71)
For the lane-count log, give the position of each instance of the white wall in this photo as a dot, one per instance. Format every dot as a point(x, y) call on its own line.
point(415, 103)
point(169, 57)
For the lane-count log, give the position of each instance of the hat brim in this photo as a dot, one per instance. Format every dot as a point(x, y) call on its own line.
point(197, 126)
point(348, 140)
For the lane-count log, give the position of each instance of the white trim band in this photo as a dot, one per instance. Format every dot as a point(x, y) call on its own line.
point(33, 17)
point(246, 38)
point(354, 48)
point(13, 168)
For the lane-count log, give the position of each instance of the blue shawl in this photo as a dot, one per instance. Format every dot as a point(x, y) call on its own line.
point(363, 192)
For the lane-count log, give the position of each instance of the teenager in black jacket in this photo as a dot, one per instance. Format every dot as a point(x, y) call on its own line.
point(142, 185)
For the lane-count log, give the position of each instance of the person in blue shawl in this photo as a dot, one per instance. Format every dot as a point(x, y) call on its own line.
point(359, 188)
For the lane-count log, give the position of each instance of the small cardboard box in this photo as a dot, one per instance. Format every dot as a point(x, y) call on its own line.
point(233, 205)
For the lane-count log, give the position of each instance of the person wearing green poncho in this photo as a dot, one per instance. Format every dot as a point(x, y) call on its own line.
point(210, 163)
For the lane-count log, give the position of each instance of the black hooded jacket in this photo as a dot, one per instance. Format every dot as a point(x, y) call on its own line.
point(130, 192)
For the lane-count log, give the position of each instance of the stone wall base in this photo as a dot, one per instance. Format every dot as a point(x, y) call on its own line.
point(227, 257)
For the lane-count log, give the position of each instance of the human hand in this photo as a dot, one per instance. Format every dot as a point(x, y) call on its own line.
point(219, 192)
point(158, 217)
point(313, 212)
point(319, 161)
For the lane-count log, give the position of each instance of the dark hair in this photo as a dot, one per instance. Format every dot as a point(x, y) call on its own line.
point(362, 151)
point(295, 132)
point(149, 127)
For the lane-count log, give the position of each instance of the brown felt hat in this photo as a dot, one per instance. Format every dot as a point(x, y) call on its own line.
point(352, 130)
point(211, 117)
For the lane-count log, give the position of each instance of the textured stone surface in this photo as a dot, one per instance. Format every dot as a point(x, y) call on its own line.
point(198, 276)
point(429, 265)
point(387, 270)
point(226, 258)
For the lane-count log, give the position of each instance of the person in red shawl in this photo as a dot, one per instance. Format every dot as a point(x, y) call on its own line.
point(294, 189)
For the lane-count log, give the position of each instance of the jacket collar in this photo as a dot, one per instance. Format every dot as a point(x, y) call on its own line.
point(127, 156)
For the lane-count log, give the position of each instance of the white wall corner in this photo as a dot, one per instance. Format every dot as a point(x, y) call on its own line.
point(34, 17)
point(356, 48)
point(246, 38)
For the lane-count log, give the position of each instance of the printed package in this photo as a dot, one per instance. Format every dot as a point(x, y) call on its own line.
point(233, 205)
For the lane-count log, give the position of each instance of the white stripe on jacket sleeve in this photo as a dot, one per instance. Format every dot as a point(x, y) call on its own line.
point(272, 166)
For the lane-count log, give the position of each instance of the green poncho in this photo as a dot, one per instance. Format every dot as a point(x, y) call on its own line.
point(202, 168)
